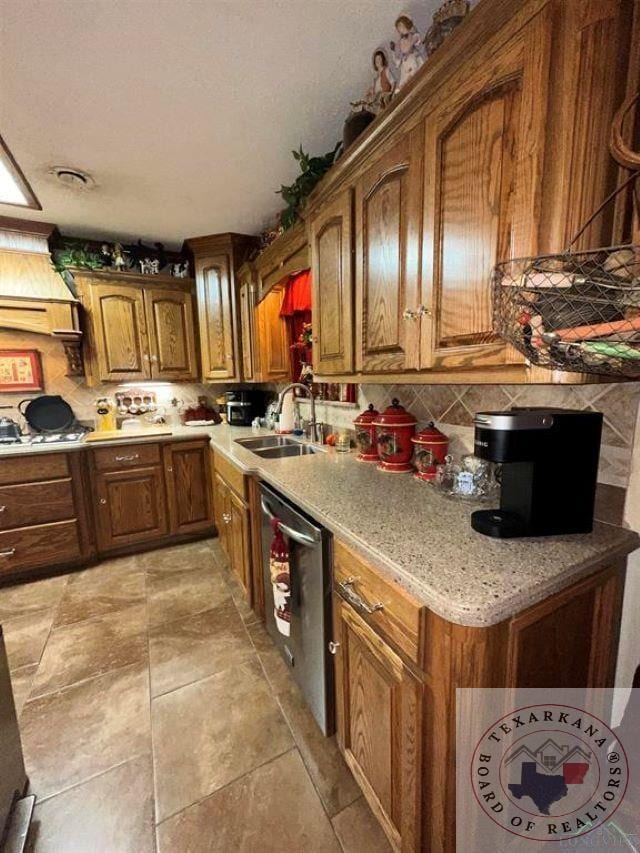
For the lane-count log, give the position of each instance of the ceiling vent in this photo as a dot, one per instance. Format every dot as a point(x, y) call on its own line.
point(73, 179)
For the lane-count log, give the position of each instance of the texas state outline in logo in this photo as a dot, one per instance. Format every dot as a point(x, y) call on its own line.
point(549, 772)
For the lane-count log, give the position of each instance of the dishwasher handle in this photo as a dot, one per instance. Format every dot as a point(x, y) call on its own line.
point(295, 535)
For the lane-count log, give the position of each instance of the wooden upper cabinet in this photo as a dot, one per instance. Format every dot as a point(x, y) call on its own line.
point(218, 259)
point(137, 327)
point(119, 333)
point(484, 145)
point(216, 315)
point(273, 338)
point(171, 334)
point(248, 331)
point(330, 231)
point(388, 229)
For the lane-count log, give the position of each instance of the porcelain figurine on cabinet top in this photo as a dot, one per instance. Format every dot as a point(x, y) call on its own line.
point(407, 51)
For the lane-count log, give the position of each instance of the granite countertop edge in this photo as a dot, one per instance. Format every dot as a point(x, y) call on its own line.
point(485, 613)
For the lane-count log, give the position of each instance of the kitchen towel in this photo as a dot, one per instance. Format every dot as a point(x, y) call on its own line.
point(280, 579)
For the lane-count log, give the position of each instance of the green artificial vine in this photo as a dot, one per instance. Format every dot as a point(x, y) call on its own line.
point(78, 256)
point(312, 170)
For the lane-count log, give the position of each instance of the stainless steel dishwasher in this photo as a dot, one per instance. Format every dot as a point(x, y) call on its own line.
point(305, 650)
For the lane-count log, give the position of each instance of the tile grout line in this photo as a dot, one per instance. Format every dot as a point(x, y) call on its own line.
point(154, 786)
point(208, 796)
point(92, 778)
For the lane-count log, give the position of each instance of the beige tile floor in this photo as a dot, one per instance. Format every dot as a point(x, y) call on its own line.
point(156, 715)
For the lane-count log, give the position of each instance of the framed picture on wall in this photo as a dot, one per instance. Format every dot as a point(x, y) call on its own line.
point(20, 370)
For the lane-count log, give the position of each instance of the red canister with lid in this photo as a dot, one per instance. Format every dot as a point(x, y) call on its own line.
point(366, 434)
point(431, 447)
point(394, 430)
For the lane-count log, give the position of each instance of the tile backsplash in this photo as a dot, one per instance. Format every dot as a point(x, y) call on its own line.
point(452, 408)
point(74, 389)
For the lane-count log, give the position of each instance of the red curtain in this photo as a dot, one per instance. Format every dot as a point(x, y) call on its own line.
point(296, 308)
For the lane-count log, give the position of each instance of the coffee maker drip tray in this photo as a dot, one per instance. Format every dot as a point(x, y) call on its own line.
point(498, 523)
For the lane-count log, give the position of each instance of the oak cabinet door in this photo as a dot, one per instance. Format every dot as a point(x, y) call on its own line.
point(247, 331)
point(216, 315)
point(169, 316)
point(222, 511)
point(119, 327)
point(330, 234)
point(239, 550)
point(188, 478)
point(273, 337)
point(131, 507)
point(483, 147)
point(379, 718)
point(388, 233)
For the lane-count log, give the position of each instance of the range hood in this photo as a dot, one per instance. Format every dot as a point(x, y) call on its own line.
point(33, 297)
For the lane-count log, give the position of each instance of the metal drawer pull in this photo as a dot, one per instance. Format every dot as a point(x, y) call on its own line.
point(9, 552)
point(333, 647)
point(226, 517)
point(2, 508)
point(128, 458)
point(356, 600)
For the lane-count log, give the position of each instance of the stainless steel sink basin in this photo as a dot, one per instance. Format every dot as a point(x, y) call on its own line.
point(291, 449)
point(263, 441)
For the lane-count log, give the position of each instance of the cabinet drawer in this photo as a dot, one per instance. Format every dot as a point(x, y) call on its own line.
point(36, 503)
point(35, 466)
point(126, 456)
point(399, 618)
point(232, 475)
point(44, 544)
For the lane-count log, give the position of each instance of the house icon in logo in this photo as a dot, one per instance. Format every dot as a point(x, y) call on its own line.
point(550, 756)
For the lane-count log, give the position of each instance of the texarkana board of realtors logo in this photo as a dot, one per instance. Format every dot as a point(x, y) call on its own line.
point(545, 772)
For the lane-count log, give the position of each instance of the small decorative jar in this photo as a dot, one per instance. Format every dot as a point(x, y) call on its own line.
point(394, 430)
point(431, 447)
point(366, 435)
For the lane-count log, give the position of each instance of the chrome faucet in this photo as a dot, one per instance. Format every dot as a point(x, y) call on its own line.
point(316, 432)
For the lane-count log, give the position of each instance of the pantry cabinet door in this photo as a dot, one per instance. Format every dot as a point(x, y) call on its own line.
point(120, 333)
point(216, 316)
point(330, 235)
point(379, 717)
point(484, 144)
point(388, 226)
point(169, 316)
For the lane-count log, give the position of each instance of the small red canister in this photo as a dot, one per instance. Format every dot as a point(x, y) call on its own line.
point(366, 435)
point(394, 429)
point(431, 447)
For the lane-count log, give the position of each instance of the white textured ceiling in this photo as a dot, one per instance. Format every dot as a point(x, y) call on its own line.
point(184, 111)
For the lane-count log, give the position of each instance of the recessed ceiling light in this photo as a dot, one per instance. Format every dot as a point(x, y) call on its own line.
point(72, 178)
point(14, 187)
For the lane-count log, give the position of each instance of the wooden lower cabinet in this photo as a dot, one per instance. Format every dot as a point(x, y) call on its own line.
point(239, 541)
point(188, 479)
point(131, 507)
point(396, 710)
point(233, 513)
point(43, 519)
point(379, 717)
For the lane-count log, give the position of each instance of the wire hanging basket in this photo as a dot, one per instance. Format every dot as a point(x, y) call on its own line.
point(577, 311)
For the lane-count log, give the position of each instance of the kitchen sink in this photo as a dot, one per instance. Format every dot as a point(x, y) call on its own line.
point(291, 449)
point(263, 441)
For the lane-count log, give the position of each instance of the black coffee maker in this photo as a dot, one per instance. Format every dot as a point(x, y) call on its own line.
point(549, 461)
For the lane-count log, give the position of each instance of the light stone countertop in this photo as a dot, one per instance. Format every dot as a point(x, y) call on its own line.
point(413, 535)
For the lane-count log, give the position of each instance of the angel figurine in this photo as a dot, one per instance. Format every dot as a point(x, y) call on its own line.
point(383, 85)
point(407, 52)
